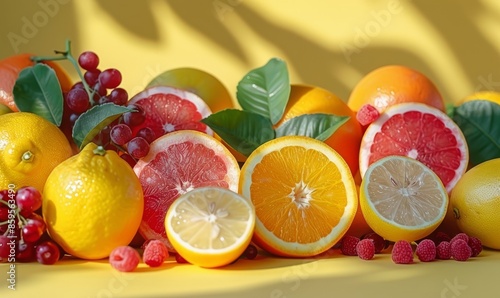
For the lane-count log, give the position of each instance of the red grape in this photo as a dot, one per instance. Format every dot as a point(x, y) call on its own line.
point(28, 199)
point(88, 60)
point(110, 78)
point(134, 118)
point(147, 133)
point(119, 96)
point(120, 134)
point(92, 76)
point(78, 100)
point(31, 232)
point(47, 253)
point(138, 147)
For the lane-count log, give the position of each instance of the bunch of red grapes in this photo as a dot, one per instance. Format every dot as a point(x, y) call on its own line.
point(23, 236)
point(103, 87)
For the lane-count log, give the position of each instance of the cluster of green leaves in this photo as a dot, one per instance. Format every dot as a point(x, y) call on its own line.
point(37, 90)
point(263, 94)
point(479, 121)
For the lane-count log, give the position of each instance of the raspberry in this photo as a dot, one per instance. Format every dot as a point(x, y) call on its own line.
point(460, 250)
point(402, 252)
point(365, 249)
point(462, 236)
point(379, 242)
point(476, 246)
point(155, 253)
point(367, 114)
point(348, 245)
point(426, 250)
point(443, 250)
point(124, 258)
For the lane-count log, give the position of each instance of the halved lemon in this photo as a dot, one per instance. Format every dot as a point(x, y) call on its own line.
point(402, 199)
point(210, 226)
point(304, 195)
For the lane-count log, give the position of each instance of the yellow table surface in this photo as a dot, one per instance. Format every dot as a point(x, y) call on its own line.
point(331, 275)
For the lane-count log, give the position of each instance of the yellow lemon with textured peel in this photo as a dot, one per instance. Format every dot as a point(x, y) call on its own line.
point(475, 201)
point(492, 96)
point(30, 147)
point(93, 202)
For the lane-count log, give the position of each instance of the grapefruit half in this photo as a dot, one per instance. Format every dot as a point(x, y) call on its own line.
point(421, 132)
point(177, 163)
point(169, 109)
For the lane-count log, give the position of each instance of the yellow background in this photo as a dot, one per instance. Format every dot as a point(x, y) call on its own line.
point(331, 44)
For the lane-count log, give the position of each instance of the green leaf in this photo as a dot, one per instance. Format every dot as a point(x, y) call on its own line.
point(318, 126)
point(265, 90)
point(37, 90)
point(90, 123)
point(479, 121)
point(242, 130)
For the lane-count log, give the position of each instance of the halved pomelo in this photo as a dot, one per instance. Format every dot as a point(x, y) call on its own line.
point(421, 132)
point(402, 199)
point(169, 109)
point(304, 195)
point(177, 163)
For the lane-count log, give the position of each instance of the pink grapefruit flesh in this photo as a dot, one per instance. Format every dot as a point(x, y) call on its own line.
point(169, 109)
point(177, 163)
point(420, 132)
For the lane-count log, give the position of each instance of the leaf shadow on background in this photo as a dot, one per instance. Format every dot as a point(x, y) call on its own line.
point(322, 66)
point(204, 20)
point(317, 64)
point(134, 16)
point(459, 29)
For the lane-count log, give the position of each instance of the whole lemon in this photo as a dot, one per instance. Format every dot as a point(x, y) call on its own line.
point(492, 96)
point(475, 201)
point(93, 202)
point(30, 148)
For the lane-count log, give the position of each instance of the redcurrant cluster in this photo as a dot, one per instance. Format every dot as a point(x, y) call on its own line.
point(23, 236)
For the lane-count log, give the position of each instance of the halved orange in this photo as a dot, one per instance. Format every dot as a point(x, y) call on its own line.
point(304, 196)
point(402, 199)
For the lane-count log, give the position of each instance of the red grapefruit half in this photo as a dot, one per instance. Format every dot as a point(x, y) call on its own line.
point(177, 163)
point(169, 109)
point(421, 132)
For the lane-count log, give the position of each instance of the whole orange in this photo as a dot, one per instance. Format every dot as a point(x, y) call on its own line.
point(393, 84)
point(346, 139)
point(10, 68)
